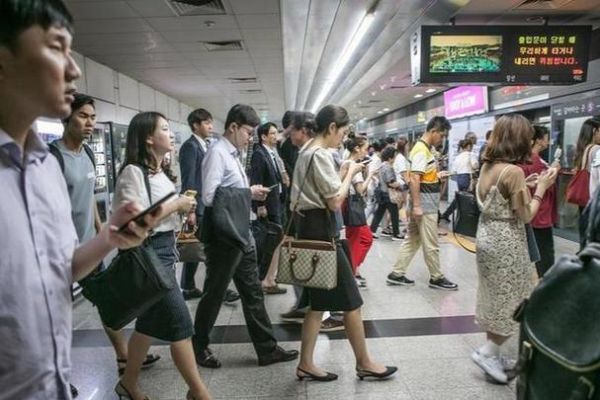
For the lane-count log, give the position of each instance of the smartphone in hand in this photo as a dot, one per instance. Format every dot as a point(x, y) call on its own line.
point(139, 219)
point(273, 186)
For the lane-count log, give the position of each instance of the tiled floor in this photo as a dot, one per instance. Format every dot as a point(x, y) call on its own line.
point(433, 364)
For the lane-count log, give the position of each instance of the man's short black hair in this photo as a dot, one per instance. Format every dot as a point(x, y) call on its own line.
point(264, 130)
point(197, 116)
point(16, 16)
point(80, 101)
point(287, 119)
point(390, 140)
point(388, 153)
point(377, 145)
point(439, 124)
point(242, 114)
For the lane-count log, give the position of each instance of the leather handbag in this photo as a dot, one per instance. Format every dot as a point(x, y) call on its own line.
point(559, 355)
point(578, 189)
point(190, 249)
point(267, 236)
point(307, 263)
point(353, 210)
point(133, 282)
point(466, 217)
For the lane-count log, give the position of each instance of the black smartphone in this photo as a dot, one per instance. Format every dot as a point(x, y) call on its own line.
point(153, 207)
point(365, 161)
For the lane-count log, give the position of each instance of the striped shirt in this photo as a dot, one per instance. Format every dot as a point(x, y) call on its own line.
point(425, 165)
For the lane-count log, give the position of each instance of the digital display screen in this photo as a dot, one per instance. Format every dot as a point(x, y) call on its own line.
point(538, 55)
point(465, 54)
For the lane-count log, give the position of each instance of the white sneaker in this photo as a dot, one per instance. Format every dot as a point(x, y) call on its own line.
point(491, 365)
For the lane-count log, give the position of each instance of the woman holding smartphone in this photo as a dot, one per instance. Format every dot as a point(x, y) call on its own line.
point(149, 139)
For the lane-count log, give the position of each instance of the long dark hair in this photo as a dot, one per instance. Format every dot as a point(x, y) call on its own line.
point(137, 151)
point(510, 141)
point(586, 137)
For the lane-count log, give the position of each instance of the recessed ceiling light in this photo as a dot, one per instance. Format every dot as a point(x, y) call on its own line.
point(431, 90)
point(379, 112)
point(418, 96)
point(373, 93)
point(386, 109)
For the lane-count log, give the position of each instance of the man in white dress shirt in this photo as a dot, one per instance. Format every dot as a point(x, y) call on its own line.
point(224, 261)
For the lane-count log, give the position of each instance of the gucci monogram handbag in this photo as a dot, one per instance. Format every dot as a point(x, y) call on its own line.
point(308, 263)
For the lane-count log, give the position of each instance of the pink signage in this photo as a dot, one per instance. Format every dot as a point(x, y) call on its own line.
point(465, 100)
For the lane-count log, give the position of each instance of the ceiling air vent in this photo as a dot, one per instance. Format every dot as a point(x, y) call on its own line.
point(375, 101)
point(196, 7)
point(542, 4)
point(251, 91)
point(230, 45)
point(243, 80)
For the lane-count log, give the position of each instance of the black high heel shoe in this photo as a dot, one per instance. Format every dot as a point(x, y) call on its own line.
point(123, 393)
point(320, 378)
point(365, 373)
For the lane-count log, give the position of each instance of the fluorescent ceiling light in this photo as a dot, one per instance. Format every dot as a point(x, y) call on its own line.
point(347, 53)
point(418, 96)
point(379, 112)
point(386, 109)
point(430, 90)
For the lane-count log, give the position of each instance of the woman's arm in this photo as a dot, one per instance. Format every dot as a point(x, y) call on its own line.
point(335, 202)
point(528, 211)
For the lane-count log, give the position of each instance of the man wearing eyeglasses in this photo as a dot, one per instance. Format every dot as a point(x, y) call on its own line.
point(226, 260)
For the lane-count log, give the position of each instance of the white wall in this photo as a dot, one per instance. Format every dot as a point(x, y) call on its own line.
point(119, 97)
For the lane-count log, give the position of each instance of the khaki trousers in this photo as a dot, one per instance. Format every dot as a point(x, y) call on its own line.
point(424, 232)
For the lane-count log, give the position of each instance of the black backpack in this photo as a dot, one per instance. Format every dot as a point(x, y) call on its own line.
point(559, 351)
point(55, 150)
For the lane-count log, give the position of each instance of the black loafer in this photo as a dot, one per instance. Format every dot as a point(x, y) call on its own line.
point(205, 358)
point(231, 296)
point(277, 355)
point(191, 294)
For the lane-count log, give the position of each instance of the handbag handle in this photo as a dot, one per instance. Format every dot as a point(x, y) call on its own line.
point(295, 209)
point(313, 263)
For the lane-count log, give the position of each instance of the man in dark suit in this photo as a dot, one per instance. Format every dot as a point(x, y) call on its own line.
point(191, 155)
point(265, 171)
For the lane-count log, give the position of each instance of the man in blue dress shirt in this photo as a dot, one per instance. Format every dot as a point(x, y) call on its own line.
point(40, 256)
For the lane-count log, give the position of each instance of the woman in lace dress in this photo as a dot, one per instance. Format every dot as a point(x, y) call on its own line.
point(505, 271)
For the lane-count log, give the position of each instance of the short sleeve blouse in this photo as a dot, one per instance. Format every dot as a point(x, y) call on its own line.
point(322, 181)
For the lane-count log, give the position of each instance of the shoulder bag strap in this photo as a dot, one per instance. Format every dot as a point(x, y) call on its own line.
point(295, 209)
point(586, 156)
point(146, 182)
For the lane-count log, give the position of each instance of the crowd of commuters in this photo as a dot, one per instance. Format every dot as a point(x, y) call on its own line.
point(300, 179)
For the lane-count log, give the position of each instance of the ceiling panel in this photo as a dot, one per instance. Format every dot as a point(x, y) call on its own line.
point(151, 8)
point(217, 22)
point(125, 25)
point(199, 35)
point(260, 21)
point(101, 10)
point(255, 6)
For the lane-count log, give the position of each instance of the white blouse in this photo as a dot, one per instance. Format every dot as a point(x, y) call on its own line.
point(464, 163)
point(130, 187)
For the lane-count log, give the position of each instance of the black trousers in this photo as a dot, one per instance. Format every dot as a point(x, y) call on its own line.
point(225, 262)
point(545, 241)
point(380, 212)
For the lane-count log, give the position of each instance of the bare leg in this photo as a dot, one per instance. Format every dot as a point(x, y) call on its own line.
point(497, 339)
point(310, 331)
point(356, 335)
point(117, 339)
point(185, 361)
point(269, 280)
point(138, 348)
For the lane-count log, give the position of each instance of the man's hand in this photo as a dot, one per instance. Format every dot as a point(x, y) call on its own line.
point(135, 233)
point(417, 213)
point(285, 179)
point(191, 219)
point(261, 211)
point(259, 192)
point(442, 175)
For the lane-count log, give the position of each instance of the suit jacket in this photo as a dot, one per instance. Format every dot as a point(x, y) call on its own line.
point(228, 219)
point(289, 154)
point(263, 172)
point(190, 162)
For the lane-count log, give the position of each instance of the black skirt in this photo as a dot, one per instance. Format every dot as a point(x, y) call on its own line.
point(314, 225)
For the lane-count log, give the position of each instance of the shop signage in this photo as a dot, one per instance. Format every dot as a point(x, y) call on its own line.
point(465, 100)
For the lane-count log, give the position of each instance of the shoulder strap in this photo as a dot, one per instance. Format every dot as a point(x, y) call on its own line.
point(90, 154)
point(295, 209)
point(586, 156)
point(53, 148)
point(146, 181)
point(502, 174)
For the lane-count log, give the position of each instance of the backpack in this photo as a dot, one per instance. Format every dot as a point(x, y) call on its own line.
point(55, 150)
point(559, 349)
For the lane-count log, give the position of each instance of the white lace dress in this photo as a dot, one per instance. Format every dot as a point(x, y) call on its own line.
point(506, 274)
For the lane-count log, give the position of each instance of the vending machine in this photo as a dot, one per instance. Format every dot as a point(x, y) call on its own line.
point(100, 143)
